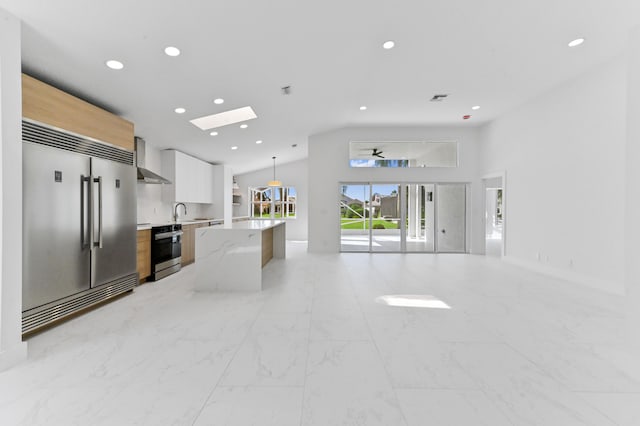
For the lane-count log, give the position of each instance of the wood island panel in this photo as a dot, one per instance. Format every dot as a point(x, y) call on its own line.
point(144, 254)
point(46, 104)
point(267, 246)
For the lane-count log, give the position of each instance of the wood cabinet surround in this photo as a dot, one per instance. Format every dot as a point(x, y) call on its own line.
point(144, 254)
point(49, 105)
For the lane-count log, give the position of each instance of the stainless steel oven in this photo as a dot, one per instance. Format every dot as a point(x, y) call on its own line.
point(166, 250)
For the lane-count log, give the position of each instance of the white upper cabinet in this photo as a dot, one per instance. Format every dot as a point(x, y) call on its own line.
point(192, 178)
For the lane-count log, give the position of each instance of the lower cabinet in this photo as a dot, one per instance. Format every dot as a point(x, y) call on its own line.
point(144, 254)
point(189, 242)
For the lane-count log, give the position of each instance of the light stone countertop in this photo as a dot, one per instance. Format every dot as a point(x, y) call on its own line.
point(143, 226)
point(149, 225)
point(231, 257)
point(253, 225)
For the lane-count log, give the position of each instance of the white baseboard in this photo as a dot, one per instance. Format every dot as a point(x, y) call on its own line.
point(573, 277)
point(13, 356)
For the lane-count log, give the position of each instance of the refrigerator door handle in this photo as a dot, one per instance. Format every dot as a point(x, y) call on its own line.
point(92, 208)
point(99, 242)
point(84, 240)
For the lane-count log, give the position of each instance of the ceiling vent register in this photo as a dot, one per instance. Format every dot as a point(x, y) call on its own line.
point(439, 98)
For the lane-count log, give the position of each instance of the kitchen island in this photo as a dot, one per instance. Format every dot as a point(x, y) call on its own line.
point(231, 257)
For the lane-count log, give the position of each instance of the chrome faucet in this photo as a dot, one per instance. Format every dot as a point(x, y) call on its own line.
point(175, 211)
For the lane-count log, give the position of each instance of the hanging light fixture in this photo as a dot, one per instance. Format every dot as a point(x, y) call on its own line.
point(274, 182)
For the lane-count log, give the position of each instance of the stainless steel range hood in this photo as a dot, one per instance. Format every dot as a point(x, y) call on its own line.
point(145, 175)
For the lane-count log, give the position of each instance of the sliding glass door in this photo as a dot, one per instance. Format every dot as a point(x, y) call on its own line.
point(424, 217)
point(420, 218)
point(385, 218)
point(354, 217)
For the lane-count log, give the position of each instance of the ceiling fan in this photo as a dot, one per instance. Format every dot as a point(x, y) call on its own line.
point(377, 153)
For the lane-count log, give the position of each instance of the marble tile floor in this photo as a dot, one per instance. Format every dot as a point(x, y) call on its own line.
point(315, 348)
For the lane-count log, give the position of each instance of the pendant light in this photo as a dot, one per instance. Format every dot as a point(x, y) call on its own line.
point(274, 182)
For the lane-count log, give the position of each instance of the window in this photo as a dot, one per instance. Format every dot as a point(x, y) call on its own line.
point(403, 154)
point(273, 203)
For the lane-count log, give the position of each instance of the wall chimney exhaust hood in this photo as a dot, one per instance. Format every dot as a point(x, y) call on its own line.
point(145, 175)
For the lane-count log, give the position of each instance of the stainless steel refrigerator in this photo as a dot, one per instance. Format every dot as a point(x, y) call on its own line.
point(79, 223)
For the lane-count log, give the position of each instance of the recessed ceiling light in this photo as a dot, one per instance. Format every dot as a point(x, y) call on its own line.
point(363, 108)
point(388, 44)
point(244, 126)
point(172, 51)
point(214, 133)
point(180, 110)
point(224, 118)
point(576, 42)
point(218, 101)
point(234, 148)
point(475, 107)
point(114, 65)
point(258, 142)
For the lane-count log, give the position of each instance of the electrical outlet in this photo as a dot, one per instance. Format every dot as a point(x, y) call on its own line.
point(155, 210)
point(538, 256)
point(570, 263)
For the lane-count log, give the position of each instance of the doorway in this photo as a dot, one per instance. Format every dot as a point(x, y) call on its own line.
point(399, 218)
point(494, 216)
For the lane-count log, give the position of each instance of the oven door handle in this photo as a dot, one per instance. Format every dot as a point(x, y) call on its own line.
point(164, 235)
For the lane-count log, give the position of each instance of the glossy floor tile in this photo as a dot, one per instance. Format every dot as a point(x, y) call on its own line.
point(317, 347)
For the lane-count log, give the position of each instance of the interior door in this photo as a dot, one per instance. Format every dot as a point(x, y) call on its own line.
point(54, 263)
point(451, 218)
point(114, 189)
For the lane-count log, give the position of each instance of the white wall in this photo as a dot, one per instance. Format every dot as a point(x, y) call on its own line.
point(291, 174)
point(12, 349)
point(564, 156)
point(329, 165)
point(151, 208)
point(632, 211)
point(222, 200)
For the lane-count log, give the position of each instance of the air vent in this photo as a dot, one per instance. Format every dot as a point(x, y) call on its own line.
point(54, 311)
point(439, 98)
point(43, 135)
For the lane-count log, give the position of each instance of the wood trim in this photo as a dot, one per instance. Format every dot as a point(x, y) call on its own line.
point(144, 254)
point(46, 104)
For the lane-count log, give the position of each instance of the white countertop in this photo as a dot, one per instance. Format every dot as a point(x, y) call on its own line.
point(253, 225)
point(143, 226)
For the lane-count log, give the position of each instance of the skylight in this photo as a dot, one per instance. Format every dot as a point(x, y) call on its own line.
point(224, 118)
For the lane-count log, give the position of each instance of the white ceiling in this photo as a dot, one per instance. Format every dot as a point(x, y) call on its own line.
point(494, 53)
